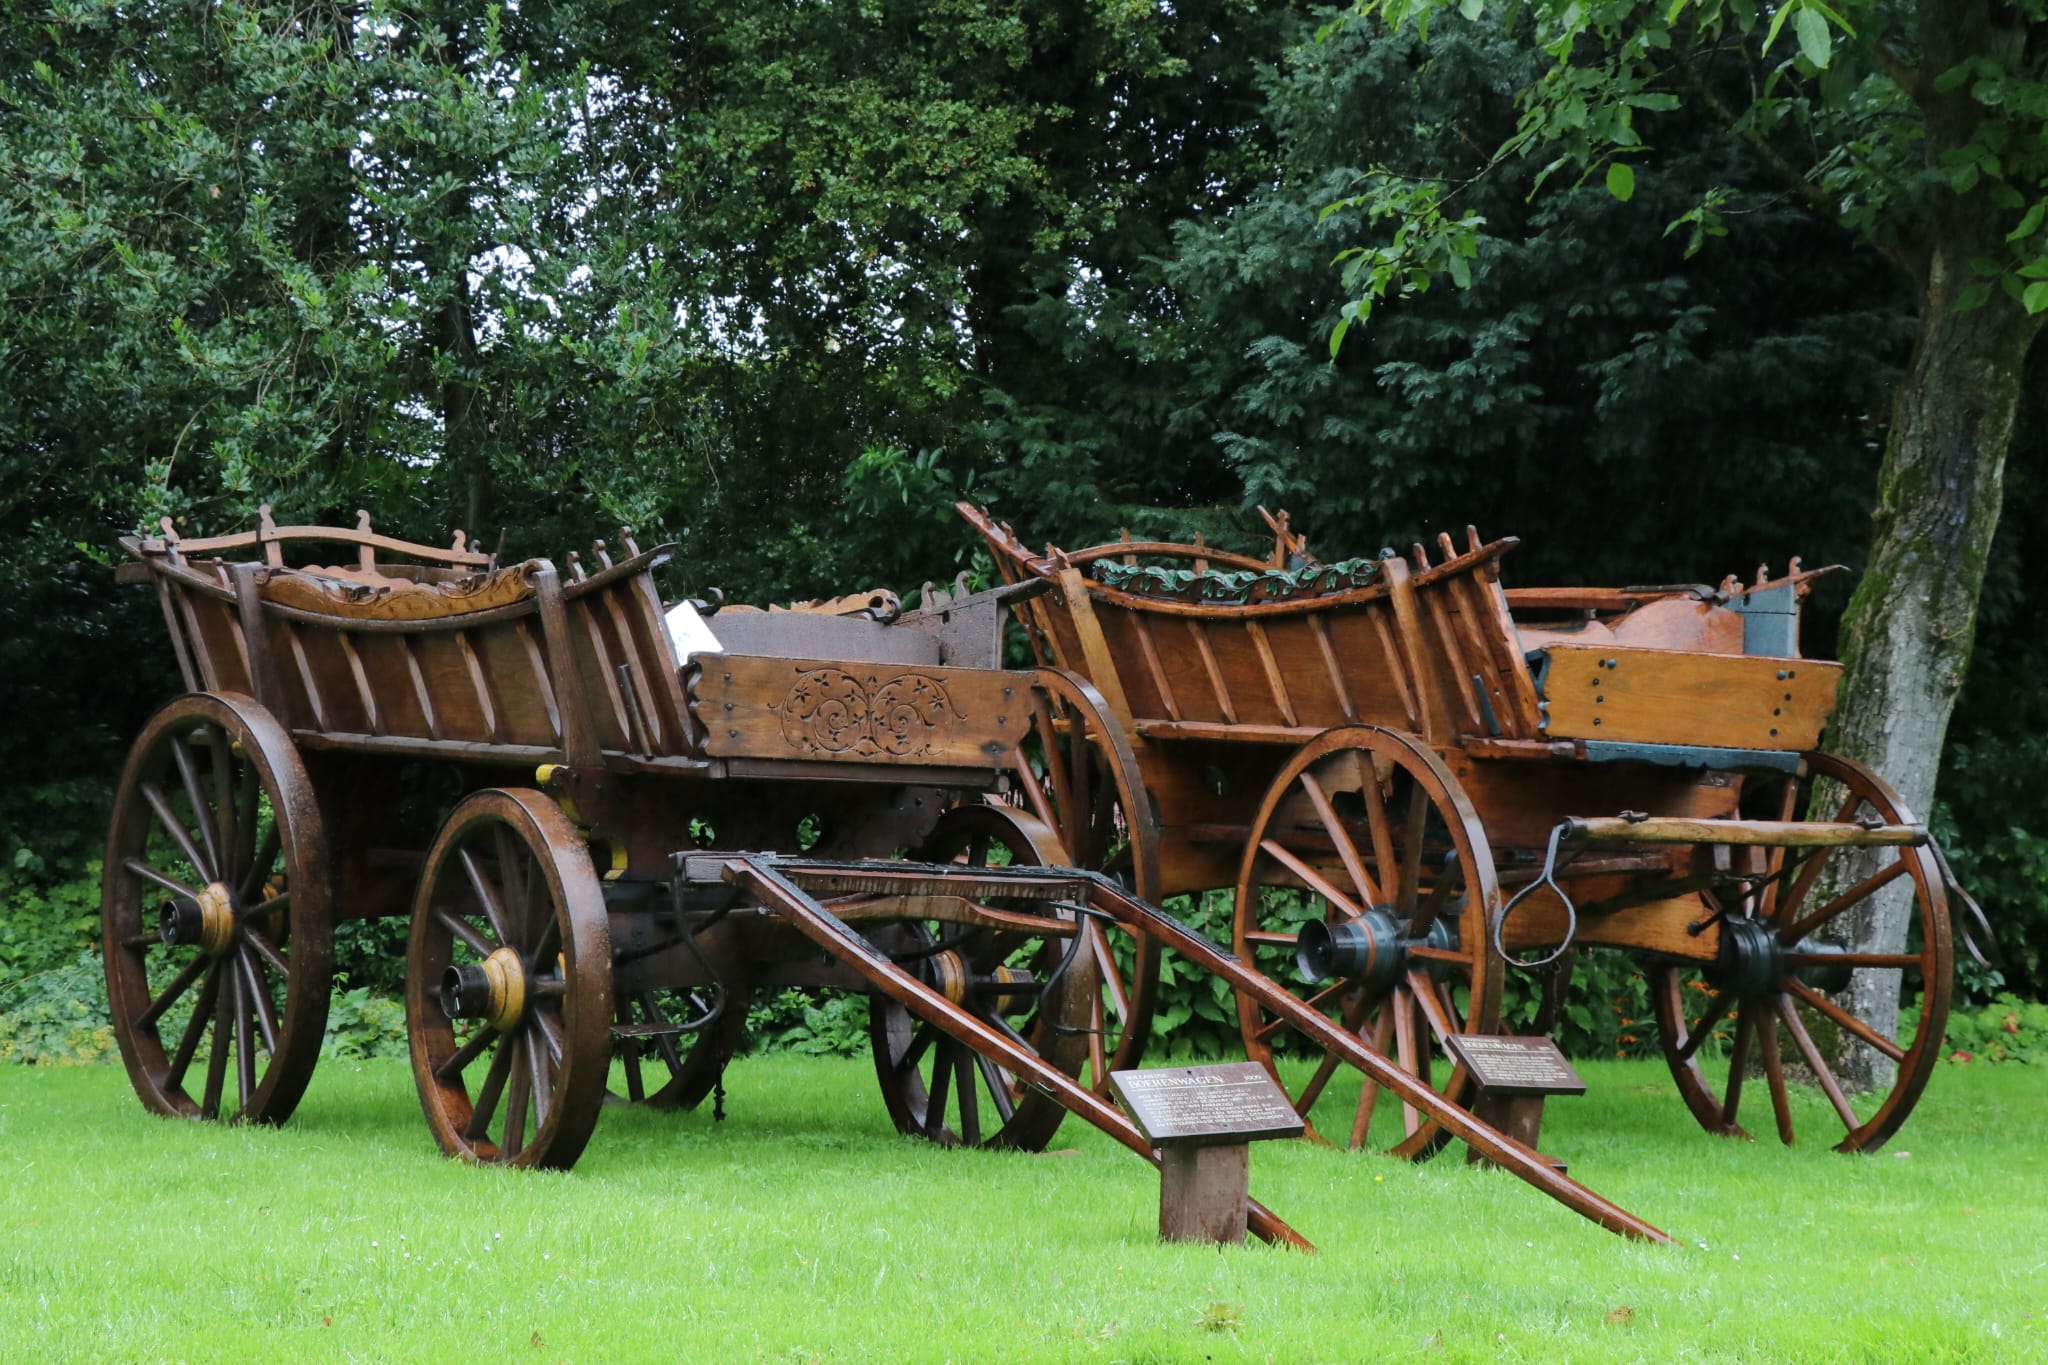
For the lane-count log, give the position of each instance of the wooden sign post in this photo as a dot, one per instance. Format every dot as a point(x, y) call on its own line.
point(1514, 1076)
point(1201, 1118)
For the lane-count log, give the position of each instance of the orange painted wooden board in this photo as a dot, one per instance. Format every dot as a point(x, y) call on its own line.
point(1658, 696)
point(755, 707)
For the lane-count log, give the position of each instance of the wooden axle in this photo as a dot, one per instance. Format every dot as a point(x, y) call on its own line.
point(1760, 833)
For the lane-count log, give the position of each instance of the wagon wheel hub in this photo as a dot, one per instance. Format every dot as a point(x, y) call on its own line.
point(1751, 964)
point(1371, 948)
point(206, 921)
point(494, 990)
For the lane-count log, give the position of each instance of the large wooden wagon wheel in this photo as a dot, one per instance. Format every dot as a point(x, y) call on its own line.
point(508, 1003)
point(1078, 777)
point(1367, 886)
point(216, 914)
point(1782, 967)
point(1030, 988)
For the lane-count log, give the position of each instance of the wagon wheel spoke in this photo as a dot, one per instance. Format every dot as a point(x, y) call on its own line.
point(540, 1072)
point(1316, 881)
point(1406, 1053)
point(1894, 961)
point(1411, 855)
point(1788, 1014)
point(970, 1103)
point(1803, 927)
point(180, 983)
point(217, 1053)
point(162, 879)
point(203, 1013)
point(1701, 1031)
point(1738, 1064)
point(1313, 1091)
point(1774, 858)
point(240, 837)
point(1001, 1087)
point(472, 1048)
point(486, 895)
point(629, 1056)
point(260, 944)
point(920, 1042)
point(1380, 827)
point(268, 846)
point(1843, 1019)
point(209, 832)
point(171, 825)
point(1774, 1072)
point(266, 1008)
point(245, 1042)
point(1802, 882)
point(518, 1088)
point(1340, 837)
point(939, 1088)
point(493, 1091)
point(546, 946)
point(1369, 1092)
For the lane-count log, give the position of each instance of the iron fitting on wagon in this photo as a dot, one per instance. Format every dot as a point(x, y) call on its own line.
point(1371, 947)
point(206, 922)
point(493, 990)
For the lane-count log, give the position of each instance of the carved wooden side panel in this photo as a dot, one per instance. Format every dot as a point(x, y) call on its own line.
point(754, 707)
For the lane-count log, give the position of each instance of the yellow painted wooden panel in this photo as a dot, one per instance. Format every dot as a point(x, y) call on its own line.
point(1659, 696)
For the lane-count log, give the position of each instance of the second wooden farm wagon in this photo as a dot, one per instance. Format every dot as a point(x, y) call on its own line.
point(1409, 775)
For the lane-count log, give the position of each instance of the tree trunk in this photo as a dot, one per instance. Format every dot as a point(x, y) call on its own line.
point(1907, 636)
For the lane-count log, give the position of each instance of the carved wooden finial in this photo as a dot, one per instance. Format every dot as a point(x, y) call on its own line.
point(1419, 555)
point(1447, 545)
point(1763, 574)
point(1731, 586)
point(598, 553)
point(169, 528)
point(461, 541)
point(363, 519)
point(575, 567)
point(626, 539)
point(1472, 538)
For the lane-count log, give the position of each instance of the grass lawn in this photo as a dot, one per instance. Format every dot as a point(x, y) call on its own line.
point(802, 1228)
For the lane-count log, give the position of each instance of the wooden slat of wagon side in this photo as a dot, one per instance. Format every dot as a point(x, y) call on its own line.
point(1659, 696)
point(813, 709)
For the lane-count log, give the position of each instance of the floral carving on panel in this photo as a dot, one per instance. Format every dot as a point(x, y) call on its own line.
point(829, 711)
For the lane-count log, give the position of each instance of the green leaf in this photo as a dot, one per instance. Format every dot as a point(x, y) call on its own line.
point(1816, 43)
point(2029, 224)
point(2035, 300)
point(1472, 9)
point(1621, 180)
point(1777, 22)
point(1974, 297)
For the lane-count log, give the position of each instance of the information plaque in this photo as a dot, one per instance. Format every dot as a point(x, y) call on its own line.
point(1231, 1103)
point(1515, 1066)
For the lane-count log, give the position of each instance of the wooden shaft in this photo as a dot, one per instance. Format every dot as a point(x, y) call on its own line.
point(1765, 833)
point(828, 932)
point(1333, 1038)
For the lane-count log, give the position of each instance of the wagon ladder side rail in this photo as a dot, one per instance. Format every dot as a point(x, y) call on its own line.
point(777, 890)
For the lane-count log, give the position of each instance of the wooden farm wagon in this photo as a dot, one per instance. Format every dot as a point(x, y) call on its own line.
point(608, 824)
point(1459, 775)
